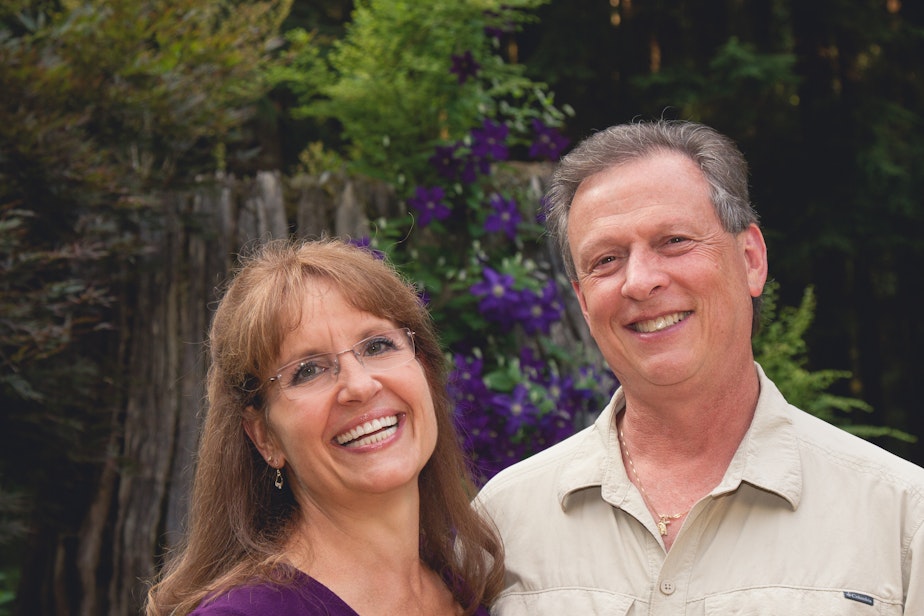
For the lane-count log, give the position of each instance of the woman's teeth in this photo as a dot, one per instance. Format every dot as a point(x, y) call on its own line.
point(373, 431)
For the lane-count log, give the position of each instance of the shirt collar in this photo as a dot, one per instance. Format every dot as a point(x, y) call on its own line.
point(597, 460)
point(767, 457)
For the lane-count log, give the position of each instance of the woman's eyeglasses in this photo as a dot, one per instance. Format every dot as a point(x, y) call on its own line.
point(313, 374)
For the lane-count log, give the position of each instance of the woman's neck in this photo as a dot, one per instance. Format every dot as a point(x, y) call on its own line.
point(370, 557)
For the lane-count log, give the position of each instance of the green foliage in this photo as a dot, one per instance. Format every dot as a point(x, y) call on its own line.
point(12, 530)
point(388, 83)
point(144, 85)
point(105, 102)
point(7, 593)
point(43, 304)
point(781, 350)
point(102, 97)
point(737, 72)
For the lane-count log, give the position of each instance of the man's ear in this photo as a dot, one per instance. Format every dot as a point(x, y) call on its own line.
point(755, 254)
point(254, 423)
point(576, 286)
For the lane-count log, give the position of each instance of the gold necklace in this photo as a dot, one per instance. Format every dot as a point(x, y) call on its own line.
point(663, 519)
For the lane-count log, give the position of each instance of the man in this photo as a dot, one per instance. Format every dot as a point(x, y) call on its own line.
point(698, 490)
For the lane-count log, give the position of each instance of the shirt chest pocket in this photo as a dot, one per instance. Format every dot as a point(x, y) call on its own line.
point(562, 601)
point(787, 601)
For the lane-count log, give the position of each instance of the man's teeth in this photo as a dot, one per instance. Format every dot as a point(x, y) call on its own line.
point(646, 327)
point(370, 432)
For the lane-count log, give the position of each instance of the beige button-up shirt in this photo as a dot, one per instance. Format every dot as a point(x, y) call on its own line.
point(808, 520)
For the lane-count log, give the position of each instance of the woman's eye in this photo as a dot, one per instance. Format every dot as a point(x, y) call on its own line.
point(378, 346)
point(306, 372)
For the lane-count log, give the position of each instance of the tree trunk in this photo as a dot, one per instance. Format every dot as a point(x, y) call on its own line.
point(142, 492)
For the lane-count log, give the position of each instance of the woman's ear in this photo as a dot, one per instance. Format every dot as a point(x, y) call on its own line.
point(261, 436)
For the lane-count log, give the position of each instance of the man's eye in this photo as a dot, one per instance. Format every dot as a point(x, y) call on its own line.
point(606, 261)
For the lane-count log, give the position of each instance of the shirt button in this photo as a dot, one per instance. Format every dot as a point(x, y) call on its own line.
point(668, 588)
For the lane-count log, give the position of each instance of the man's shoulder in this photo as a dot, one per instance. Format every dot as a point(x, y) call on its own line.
point(825, 448)
point(826, 444)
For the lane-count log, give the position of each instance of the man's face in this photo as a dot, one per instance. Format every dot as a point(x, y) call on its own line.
point(665, 290)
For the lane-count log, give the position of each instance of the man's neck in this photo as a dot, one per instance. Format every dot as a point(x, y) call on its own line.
point(677, 452)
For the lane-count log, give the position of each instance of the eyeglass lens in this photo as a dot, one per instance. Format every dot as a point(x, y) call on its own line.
point(376, 353)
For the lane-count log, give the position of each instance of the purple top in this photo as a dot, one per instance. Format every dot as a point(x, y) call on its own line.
point(304, 597)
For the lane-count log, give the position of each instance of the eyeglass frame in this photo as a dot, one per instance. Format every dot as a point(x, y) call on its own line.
point(409, 334)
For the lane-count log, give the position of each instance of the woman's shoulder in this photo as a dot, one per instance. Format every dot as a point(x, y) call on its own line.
point(303, 596)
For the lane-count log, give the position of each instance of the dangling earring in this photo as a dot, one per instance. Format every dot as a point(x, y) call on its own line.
point(278, 483)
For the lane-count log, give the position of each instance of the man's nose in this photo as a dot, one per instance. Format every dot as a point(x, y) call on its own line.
point(644, 274)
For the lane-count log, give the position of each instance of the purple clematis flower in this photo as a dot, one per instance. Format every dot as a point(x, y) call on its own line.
point(490, 141)
point(537, 313)
point(366, 244)
point(468, 391)
point(498, 297)
point(532, 366)
point(516, 408)
point(549, 143)
point(444, 161)
point(429, 203)
point(505, 216)
point(464, 66)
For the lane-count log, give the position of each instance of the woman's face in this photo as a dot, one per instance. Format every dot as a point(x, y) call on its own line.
point(363, 433)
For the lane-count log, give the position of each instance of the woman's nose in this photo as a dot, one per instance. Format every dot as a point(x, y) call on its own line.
point(354, 382)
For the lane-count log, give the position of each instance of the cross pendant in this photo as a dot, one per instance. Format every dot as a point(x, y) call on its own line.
point(662, 525)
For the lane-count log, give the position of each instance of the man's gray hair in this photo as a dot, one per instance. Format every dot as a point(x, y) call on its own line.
point(716, 155)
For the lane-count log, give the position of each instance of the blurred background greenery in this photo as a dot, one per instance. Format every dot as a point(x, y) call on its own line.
point(116, 115)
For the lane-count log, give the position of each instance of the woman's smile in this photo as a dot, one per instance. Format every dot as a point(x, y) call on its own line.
point(371, 432)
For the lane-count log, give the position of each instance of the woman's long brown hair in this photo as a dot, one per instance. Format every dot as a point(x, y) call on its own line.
point(238, 522)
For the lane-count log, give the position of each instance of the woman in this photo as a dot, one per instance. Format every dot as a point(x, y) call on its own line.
point(330, 479)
